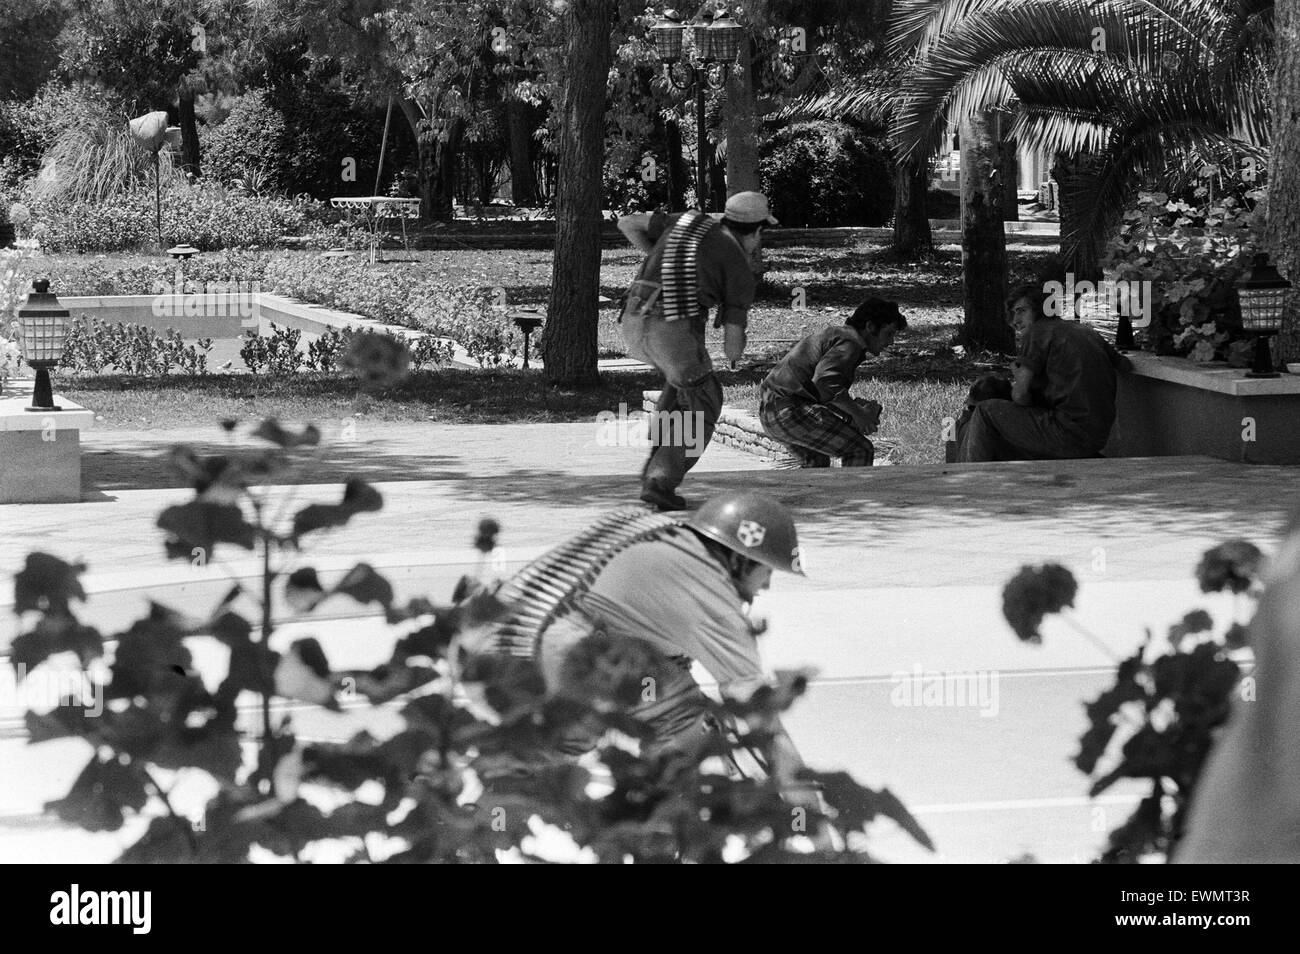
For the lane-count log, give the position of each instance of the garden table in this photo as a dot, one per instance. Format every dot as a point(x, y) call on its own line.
point(375, 209)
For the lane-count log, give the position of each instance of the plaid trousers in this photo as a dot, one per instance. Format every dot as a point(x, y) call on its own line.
point(814, 433)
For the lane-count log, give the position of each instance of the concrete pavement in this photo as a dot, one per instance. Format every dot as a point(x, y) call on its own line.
point(905, 565)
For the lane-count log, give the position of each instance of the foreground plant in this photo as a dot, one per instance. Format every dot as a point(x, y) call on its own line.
point(476, 770)
point(1160, 720)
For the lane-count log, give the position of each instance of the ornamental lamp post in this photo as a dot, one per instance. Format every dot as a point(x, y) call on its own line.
point(45, 329)
point(1262, 292)
point(526, 320)
point(714, 43)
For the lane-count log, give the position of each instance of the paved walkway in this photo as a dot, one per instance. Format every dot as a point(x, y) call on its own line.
point(906, 566)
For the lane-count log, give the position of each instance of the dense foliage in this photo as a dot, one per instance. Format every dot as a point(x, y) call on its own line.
point(825, 173)
point(1192, 254)
point(93, 347)
point(205, 215)
point(1160, 719)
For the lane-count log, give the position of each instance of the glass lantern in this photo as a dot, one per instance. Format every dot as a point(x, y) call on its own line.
point(45, 330)
point(668, 36)
point(724, 39)
point(1262, 293)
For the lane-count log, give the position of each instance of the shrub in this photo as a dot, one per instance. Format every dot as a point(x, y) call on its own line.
point(1192, 255)
point(205, 215)
point(825, 174)
point(93, 346)
point(251, 137)
point(96, 159)
point(277, 353)
point(30, 128)
point(1159, 721)
point(462, 312)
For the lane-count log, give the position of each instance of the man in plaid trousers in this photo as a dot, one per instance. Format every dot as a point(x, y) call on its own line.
point(804, 401)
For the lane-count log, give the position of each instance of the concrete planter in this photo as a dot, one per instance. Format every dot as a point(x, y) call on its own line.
point(1171, 406)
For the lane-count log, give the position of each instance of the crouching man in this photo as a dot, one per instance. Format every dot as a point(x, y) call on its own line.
point(804, 402)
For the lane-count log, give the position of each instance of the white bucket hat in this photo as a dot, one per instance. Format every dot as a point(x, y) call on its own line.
point(749, 207)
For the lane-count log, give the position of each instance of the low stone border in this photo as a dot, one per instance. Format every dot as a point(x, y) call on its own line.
point(743, 431)
point(736, 428)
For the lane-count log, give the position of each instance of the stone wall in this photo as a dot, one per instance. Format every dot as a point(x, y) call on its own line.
point(736, 428)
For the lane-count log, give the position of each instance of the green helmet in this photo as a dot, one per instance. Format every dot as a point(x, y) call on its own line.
point(754, 525)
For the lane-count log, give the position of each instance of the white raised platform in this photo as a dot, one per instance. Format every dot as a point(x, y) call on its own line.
point(40, 451)
point(1212, 377)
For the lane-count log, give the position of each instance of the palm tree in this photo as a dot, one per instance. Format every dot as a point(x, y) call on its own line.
point(1120, 91)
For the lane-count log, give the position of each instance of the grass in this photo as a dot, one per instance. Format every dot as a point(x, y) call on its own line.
point(919, 381)
point(450, 396)
point(912, 422)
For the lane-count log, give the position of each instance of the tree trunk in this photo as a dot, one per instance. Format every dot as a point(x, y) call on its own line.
point(983, 240)
point(717, 181)
point(677, 172)
point(1009, 169)
point(442, 157)
point(1080, 252)
point(189, 131)
point(742, 126)
point(1283, 234)
point(523, 187)
point(424, 168)
point(569, 342)
point(911, 220)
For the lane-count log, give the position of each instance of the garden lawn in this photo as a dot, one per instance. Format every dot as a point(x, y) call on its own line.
point(920, 381)
point(446, 396)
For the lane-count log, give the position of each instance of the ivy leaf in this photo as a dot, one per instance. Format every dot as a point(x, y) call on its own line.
point(366, 585)
point(54, 634)
point(303, 673)
point(214, 748)
point(271, 430)
point(47, 584)
point(164, 842)
point(231, 628)
point(69, 719)
point(858, 805)
point(98, 796)
point(150, 657)
point(203, 524)
point(252, 669)
point(1101, 711)
point(303, 591)
point(358, 497)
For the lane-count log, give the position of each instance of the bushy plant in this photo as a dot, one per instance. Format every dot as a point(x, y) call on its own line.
point(1160, 719)
point(93, 346)
point(275, 354)
point(478, 769)
point(464, 312)
point(30, 128)
point(206, 215)
point(825, 173)
point(249, 141)
point(1192, 255)
point(326, 352)
point(83, 275)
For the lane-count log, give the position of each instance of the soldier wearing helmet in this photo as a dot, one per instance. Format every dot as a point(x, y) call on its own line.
point(687, 592)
